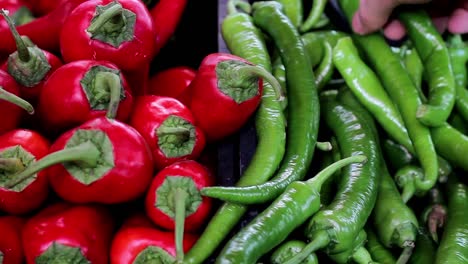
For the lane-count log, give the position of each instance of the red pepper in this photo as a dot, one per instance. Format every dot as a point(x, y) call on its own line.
point(43, 7)
point(174, 202)
point(11, 103)
point(171, 82)
point(141, 244)
point(29, 65)
point(137, 219)
point(169, 129)
point(127, 40)
point(19, 148)
point(82, 90)
point(43, 31)
point(166, 15)
point(103, 161)
point(65, 233)
point(225, 92)
point(11, 249)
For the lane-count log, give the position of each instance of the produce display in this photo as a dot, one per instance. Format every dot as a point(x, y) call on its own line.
point(295, 141)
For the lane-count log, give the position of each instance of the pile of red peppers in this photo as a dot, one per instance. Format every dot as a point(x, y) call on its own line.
point(86, 130)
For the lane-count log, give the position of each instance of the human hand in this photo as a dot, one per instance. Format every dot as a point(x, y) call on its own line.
point(373, 15)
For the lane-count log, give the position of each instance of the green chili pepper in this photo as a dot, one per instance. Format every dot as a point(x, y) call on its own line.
point(336, 227)
point(288, 249)
point(313, 43)
point(294, 10)
point(437, 67)
point(415, 68)
point(367, 88)
point(378, 252)
point(458, 122)
point(454, 243)
point(405, 178)
point(451, 144)
point(315, 13)
point(324, 71)
point(458, 51)
point(245, 40)
point(425, 248)
point(401, 89)
point(328, 188)
point(303, 111)
point(293, 207)
point(396, 156)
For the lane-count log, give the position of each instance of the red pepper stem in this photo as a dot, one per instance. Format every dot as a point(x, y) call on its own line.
point(85, 153)
point(406, 253)
point(111, 81)
point(321, 240)
point(233, 5)
point(181, 134)
point(11, 164)
point(23, 52)
point(180, 197)
point(16, 100)
point(113, 13)
point(268, 77)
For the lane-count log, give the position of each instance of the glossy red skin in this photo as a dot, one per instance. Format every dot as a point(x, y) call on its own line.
point(31, 94)
point(11, 114)
point(166, 15)
point(89, 227)
point(137, 219)
point(34, 195)
point(202, 178)
point(216, 113)
point(43, 7)
point(11, 6)
point(150, 112)
point(10, 242)
point(43, 31)
point(171, 82)
point(76, 44)
point(130, 177)
point(63, 103)
point(130, 241)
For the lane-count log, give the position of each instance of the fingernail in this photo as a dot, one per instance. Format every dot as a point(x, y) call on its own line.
point(357, 25)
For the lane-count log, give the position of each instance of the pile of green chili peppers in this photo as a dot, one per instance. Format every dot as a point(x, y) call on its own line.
point(364, 161)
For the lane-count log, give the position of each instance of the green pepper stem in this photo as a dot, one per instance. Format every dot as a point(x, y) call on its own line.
point(261, 72)
point(23, 52)
point(362, 256)
point(233, 5)
point(113, 14)
point(180, 197)
point(181, 134)
point(324, 146)
point(11, 164)
point(111, 81)
point(85, 153)
point(406, 253)
point(408, 191)
point(327, 172)
point(321, 240)
point(16, 100)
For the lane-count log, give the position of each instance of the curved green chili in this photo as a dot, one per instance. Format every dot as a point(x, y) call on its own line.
point(245, 40)
point(303, 110)
point(288, 249)
point(458, 51)
point(293, 207)
point(378, 252)
point(315, 13)
point(405, 179)
point(313, 43)
point(324, 71)
point(401, 89)
point(437, 66)
point(451, 144)
point(396, 156)
point(454, 243)
point(415, 68)
point(337, 226)
point(294, 10)
point(367, 88)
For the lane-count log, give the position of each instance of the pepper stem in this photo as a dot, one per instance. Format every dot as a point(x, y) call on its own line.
point(11, 164)
point(16, 100)
point(85, 153)
point(321, 240)
point(324, 174)
point(261, 72)
point(180, 197)
point(23, 52)
point(233, 5)
point(111, 18)
point(181, 133)
point(408, 191)
point(324, 146)
point(111, 81)
point(362, 256)
point(406, 253)
point(436, 219)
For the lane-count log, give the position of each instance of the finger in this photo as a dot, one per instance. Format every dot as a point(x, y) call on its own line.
point(373, 14)
point(394, 30)
point(458, 21)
